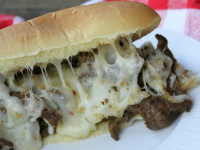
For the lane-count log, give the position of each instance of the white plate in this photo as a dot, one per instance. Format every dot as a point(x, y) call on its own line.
point(183, 134)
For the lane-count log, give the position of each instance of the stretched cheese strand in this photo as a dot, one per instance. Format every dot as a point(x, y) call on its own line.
point(46, 81)
point(60, 72)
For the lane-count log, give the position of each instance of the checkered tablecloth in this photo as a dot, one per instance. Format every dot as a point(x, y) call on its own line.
point(181, 16)
point(7, 20)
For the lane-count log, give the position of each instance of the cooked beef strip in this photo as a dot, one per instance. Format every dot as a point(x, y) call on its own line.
point(89, 59)
point(145, 52)
point(155, 110)
point(162, 46)
point(52, 115)
point(114, 125)
point(5, 143)
point(159, 112)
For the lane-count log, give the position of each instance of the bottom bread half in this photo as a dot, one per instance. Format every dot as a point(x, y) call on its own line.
point(101, 128)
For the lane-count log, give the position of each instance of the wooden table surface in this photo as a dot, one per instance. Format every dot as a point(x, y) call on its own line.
point(29, 9)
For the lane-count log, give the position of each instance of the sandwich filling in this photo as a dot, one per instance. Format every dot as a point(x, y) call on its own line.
point(115, 82)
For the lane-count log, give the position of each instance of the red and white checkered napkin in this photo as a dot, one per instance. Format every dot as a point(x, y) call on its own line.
point(181, 16)
point(7, 20)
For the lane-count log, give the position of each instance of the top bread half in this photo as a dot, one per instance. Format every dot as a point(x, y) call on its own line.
point(64, 33)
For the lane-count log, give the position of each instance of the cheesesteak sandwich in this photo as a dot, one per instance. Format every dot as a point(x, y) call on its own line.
point(65, 74)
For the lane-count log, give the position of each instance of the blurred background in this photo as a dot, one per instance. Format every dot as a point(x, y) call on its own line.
point(29, 9)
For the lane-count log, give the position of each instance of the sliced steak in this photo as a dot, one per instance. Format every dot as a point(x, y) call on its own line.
point(159, 112)
point(4, 144)
point(51, 115)
point(163, 46)
point(146, 51)
point(155, 110)
point(114, 125)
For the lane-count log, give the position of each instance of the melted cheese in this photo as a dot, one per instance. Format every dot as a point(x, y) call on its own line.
point(186, 78)
point(16, 112)
point(25, 136)
point(158, 67)
point(95, 96)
